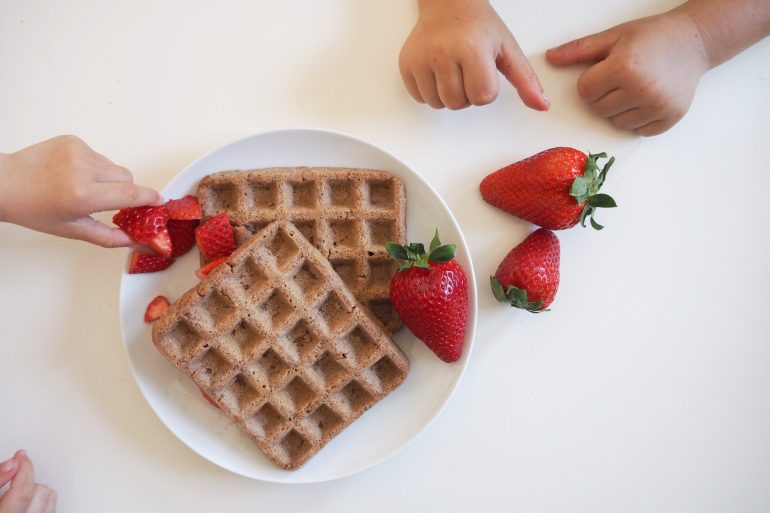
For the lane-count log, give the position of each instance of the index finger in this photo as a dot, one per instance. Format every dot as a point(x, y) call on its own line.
point(119, 195)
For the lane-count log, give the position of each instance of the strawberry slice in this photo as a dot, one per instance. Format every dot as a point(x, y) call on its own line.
point(206, 269)
point(147, 263)
point(215, 237)
point(156, 308)
point(184, 209)
point(182, 234)
point(147, 226)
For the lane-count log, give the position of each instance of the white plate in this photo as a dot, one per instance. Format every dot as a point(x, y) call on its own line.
point(380, 432)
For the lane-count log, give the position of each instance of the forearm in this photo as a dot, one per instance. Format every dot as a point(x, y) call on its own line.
point(4, 163)
point(449, 4)
point(728, 27)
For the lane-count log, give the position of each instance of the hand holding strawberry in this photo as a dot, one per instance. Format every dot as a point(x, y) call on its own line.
point(554, 189)
point(528, 276)
point(430, 293)
point(54, 187)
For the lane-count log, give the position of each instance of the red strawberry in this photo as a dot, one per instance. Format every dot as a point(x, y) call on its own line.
point(182, 233)
point(146, 226)
point(147, 263)
point(206, 269)
point(184, 209)
point(528, 276)
point(156, 309)
point(215, 237)
point(430, 293)
point(554, 189)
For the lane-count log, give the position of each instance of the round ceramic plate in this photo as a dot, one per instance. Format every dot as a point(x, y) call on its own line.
point(380, 432)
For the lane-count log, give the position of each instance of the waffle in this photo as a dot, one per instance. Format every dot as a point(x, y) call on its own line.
point(279, 343)
point(348, 214)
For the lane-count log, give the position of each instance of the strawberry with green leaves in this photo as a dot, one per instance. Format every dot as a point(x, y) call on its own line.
point(430, 293)
point(555, 189)
point(528, 276)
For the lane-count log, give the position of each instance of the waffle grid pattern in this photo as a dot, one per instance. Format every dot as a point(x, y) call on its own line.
point(348, 214)
point(282, 347)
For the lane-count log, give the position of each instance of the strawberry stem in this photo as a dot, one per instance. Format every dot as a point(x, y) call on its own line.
point(414, 255)
point(514, 296)
point(585, 189)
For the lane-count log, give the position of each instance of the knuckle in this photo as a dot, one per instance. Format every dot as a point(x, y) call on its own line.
point(484, 95)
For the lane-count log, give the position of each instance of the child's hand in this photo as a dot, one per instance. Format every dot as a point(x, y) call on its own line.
point(24, 495)
point(644, 73)
point(452, 56)
point(55, 185)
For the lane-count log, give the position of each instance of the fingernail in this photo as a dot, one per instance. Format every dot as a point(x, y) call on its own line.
point(8, 465)
point(545, 98)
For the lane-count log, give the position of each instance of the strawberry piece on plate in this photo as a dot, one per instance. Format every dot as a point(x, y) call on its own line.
point(156, 308)
point(215, 237)
point(147, 263)
point(182, 234)
point(184, 209)
point(206, 269)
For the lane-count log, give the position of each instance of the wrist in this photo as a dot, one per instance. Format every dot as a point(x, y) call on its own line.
point(4, 169)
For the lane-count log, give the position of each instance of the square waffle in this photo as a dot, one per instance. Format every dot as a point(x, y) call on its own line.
point(279, 343)
point(348, 214)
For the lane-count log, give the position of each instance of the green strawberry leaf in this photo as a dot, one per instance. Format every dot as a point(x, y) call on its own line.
point(514, 296)
point(587, 210)
point(605, 170)
point(602, 201)
point(443, 253)
point(579, 189)
point(585, 189)
point(436, 242)
point(396, 251)
point(418, 248)
point(497, 289)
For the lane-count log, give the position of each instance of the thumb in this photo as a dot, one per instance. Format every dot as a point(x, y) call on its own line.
point(8, 470)
point(512, 63)
point(595, 47)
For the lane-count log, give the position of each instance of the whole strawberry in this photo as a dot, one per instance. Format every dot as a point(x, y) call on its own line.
point(528, 276)
point(555, 189)
point(430, 293)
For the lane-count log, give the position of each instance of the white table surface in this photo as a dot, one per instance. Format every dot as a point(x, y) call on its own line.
point(646, 388)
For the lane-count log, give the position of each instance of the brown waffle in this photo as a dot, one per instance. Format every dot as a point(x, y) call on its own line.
point(278, 341)
point(348, 214)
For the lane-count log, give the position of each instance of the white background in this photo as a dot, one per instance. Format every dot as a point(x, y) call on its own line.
point(646, 388)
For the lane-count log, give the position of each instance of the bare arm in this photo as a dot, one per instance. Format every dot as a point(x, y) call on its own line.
point(728, 27)
point(643, 73)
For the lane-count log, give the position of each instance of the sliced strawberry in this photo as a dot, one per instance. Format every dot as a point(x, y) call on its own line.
point(215, 237)
point(184, 209)
point(146, 226)
point(182, 235)
point(206, 269)
point(147, 263)
point(156, 308)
